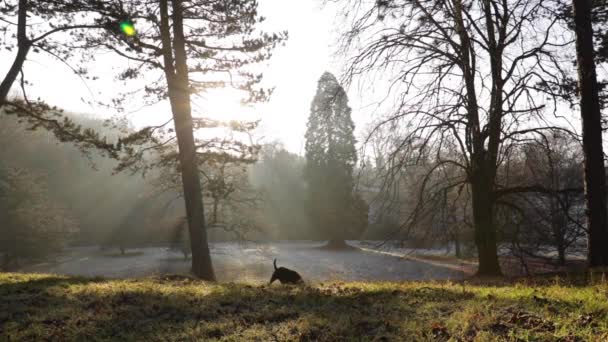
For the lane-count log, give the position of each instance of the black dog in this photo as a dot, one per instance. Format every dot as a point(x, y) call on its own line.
point(285, 275)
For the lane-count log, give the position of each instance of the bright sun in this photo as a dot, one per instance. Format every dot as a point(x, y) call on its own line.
point(222, 104)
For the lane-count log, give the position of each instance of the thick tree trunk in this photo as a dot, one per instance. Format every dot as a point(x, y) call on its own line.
point(483, 180)
point(595, 174)
point(201, 258)
point(23, 45)
point(485, 231)
point(176, 71)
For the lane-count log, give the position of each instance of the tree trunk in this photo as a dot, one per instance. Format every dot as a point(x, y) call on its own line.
point(561, 251)
point(595, 174)
point(176, 71)
point(484, 161)
point(23, 48)
point(560, 243)
point(215, 204)
point(559, 227)
point(201, 258)
point(457, 248)
point(485, 231)
point(11, 76)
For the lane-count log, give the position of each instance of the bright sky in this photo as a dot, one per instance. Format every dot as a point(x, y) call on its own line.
point(293, 71)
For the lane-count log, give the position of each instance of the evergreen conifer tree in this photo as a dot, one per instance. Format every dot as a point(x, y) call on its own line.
point(336, 210)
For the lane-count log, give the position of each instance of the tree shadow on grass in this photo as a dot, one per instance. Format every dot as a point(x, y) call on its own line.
point(572, 279)
point(182, 308)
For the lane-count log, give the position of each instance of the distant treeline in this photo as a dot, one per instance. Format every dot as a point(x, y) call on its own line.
point(56, 195)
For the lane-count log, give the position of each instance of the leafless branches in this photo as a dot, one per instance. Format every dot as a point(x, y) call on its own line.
point(466, 81)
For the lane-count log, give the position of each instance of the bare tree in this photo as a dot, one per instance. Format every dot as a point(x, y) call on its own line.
point(549, 218)
point(464, 76)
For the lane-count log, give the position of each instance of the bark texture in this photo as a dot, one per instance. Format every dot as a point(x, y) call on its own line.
point(176, 71)
point(595, 174)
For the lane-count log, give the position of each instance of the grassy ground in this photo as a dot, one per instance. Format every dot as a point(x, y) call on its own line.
point(49, 307)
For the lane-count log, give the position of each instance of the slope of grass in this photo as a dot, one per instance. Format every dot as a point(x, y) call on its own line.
point(49, 307)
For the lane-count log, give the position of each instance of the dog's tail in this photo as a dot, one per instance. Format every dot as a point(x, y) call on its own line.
point(275, 263)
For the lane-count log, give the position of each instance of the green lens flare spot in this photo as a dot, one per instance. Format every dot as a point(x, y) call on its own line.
point(127, 28)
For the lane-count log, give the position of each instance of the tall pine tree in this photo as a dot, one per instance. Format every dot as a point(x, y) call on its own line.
point(337, 212)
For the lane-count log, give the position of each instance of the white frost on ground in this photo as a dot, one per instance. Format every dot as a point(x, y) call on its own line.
point(252, 262)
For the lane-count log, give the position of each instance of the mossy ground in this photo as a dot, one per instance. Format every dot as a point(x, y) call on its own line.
point(50, 307)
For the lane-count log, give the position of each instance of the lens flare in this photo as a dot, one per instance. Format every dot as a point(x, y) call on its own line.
point(127, 28)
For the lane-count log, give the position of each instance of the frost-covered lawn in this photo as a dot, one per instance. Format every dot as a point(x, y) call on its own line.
point(48, 307)
point(253, 263)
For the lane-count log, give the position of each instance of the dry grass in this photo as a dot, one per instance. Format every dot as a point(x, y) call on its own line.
point(49, 307)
